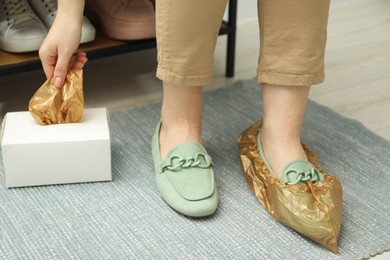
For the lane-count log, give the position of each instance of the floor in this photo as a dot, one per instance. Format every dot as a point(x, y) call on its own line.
point(357, 70)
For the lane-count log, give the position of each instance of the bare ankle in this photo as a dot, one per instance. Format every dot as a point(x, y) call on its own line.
point(280, 149)
point(172, 135)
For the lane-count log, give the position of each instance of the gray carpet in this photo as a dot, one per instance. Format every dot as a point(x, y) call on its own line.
point(127, 219)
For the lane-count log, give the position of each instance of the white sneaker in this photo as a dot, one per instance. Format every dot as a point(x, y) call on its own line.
point(20, 29)
point(47, 11)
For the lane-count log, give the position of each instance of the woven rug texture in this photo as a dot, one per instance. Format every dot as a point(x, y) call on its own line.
point(127, 219)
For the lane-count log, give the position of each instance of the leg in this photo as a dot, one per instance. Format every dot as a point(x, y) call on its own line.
point(293, 38)
point(181, 115)
point(291, 60)
point(186, 37)
point(284, 108)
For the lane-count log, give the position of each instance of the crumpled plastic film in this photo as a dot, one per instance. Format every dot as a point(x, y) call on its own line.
point(51, 105)
point(314, 210)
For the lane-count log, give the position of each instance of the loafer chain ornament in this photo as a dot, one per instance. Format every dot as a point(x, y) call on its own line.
point(175, 162)
point(294, 176)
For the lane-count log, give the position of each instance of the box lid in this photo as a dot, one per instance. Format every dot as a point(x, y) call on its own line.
point(21, 128)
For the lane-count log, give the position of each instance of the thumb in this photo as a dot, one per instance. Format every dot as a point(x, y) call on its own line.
point(61, 70)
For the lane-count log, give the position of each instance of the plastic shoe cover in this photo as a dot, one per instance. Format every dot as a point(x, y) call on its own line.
point(314, 210)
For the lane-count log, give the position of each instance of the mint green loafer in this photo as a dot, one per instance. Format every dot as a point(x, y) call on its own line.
point(297, 171)
point(185, 178)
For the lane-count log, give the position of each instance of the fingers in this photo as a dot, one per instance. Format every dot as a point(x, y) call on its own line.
point(48, 64)
point(78, 65)
point(65, 63)
point(71, 62)
point(78, 61)
point(61, 69)
point(58, 68)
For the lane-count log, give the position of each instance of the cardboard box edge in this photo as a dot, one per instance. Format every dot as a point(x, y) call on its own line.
point(3, 128)
point(103, 180)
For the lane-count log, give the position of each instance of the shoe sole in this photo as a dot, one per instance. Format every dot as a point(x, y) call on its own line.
point(188, 216)
point(21, 46)
point(88, 36)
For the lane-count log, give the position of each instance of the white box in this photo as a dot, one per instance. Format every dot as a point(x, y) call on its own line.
point(55, 154)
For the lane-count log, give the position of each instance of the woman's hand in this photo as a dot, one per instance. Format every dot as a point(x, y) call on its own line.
point(57, 50)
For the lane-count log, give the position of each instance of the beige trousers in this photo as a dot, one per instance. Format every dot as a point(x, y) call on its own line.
point(292, 40)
